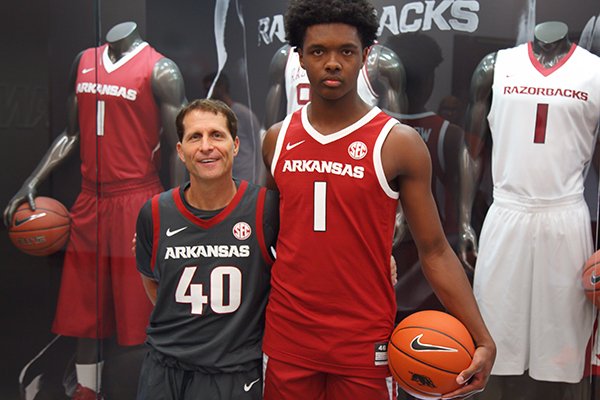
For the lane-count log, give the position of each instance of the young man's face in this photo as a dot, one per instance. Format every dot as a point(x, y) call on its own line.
point(207, 148)
point(332, 56)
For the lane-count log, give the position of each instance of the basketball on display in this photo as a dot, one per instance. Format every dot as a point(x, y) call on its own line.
point(427, 351)
point(590, 278)
point(42, 231)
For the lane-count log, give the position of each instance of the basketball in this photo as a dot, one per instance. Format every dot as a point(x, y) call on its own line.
point(43, 231)
point(427, 351)
point(590, 278)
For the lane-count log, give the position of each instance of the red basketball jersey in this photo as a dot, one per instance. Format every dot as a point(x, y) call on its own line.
point(332, 305)
point(119, 120)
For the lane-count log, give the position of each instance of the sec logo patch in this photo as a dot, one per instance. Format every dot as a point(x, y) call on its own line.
point(242, 231)
point(357, 150)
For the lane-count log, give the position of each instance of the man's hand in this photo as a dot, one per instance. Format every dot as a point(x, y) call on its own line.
point(133, 241)
point(393, 271)
point(475, 377)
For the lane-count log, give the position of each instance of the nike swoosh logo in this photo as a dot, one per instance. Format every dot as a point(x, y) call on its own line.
point(248, 386)
point(175, 232)
point(595, 279)
point(290, 146)
point(86, 70)
point(416, 345)
point(20, 222)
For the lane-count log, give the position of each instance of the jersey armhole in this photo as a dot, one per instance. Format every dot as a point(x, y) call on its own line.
point(155, 230)
point(279, 143)
point(441, 145)
point(260, 232)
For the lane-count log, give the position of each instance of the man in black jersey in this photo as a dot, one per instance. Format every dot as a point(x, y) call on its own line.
point(203, 252)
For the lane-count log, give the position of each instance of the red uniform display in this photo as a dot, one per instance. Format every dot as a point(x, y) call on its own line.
point(119, 125)
point(332, 305)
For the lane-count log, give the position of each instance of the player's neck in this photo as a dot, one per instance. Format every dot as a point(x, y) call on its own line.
point(330, 116)
point(123, 39)
point(551, 42)
point(210, 195)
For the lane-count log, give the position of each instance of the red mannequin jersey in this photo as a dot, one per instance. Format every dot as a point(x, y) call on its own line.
point(117, 113)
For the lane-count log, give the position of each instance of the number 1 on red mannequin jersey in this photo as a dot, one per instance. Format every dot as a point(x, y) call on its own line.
point(320, 207)
point(100, 118)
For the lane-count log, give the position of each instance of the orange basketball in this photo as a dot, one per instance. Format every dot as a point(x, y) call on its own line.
point(427, 350)
point(590, 278)
point(43, 231)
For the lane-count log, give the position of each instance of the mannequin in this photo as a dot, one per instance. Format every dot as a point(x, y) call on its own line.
point(116, 122)
point(443, 140)
point(247, 164)
point(540, 102)
point(387, 79)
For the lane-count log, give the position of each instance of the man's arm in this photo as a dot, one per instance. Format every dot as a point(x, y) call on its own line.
point(151, 287)
point(407, 165)
point(143, 250)
point(59, 150)
point(471, 154)
point(169, 92)
point(389, 78)
point(275, 106)
point(268, 150)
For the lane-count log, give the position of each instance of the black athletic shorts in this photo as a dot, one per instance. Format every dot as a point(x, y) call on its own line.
point(162, 378)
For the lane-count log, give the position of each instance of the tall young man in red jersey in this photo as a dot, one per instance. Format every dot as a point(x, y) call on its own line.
point(341, 167)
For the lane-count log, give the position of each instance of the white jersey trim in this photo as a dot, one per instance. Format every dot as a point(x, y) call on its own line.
point(109, 66)
point(365, 76)
point(440, 145)
point(279, 143)
point(378, 165)
point(332, 137)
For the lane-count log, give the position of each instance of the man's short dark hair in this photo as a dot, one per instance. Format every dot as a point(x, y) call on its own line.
point(304, 13)
point(209, 105)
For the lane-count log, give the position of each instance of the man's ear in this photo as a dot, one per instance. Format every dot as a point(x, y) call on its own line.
point(180, 152)
point(236, 146)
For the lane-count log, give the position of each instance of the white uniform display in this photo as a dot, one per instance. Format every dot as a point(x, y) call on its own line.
point(297, 87)
point(536, 235)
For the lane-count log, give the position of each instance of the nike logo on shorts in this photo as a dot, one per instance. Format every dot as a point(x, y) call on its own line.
point(290, 146)
point(175, 232)
point(416, 345)
point(248, 386)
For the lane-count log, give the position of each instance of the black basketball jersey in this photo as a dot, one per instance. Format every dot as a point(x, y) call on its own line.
point(213, 279)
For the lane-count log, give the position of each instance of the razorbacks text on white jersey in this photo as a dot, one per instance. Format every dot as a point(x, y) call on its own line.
point(297, 86)
point(543, 122)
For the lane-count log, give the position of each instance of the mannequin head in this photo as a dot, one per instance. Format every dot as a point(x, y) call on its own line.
point(123, 38)
point(420, 70)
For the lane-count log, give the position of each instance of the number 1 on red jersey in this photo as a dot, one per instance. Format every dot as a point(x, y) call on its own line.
point(320, 207)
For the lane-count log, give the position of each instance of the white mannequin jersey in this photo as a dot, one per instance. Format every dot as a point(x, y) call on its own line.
point(543, 122)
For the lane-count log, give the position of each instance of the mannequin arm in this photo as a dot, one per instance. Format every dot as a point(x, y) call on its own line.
point(275, 107)
point(390, 78)
point(169, 92)
point(470, 156)
point(59, 150)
